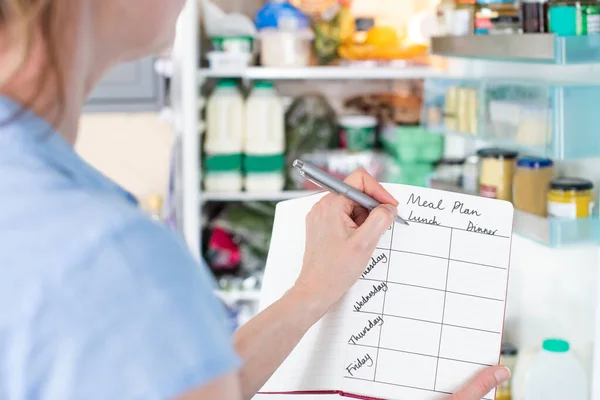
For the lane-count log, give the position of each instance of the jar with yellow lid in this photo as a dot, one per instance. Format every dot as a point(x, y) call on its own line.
point(570, 198)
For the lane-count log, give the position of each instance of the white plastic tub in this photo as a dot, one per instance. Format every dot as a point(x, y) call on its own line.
point(228, 61)
point(285, 48)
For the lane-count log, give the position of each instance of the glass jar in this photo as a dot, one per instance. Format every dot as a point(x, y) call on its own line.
point(508, 358)
point(570, 198)
point(450, 171)
point(497, 170)
point(470, 175)
point(534, 16)
point(531, 182)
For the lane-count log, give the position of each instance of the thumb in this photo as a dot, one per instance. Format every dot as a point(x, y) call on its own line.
point(378, 221)
point(483, 383)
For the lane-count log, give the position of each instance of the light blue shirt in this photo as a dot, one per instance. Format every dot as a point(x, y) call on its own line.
point(96, 300)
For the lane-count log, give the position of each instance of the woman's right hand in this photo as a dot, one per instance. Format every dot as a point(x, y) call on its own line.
point(482, 384)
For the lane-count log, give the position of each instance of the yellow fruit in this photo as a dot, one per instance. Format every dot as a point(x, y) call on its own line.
point(383, 36)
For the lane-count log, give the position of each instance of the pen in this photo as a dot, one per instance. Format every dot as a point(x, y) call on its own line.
point(334, 185)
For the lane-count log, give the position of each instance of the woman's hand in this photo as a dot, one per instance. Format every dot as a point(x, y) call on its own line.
point(341, 236)
point(482, 384)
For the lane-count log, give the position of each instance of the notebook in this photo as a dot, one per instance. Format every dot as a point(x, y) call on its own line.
point(427, 313)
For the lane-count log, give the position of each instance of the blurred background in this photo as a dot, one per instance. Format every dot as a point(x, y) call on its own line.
point(497, 98)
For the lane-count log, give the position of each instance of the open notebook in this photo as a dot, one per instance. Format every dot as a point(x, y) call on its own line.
point(427, 313)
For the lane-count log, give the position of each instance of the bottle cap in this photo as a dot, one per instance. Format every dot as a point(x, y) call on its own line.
point(556, 345)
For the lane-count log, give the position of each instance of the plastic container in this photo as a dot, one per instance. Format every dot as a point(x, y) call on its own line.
point(570, 198)
point(264, 173)
point(555, 374)
point(285, 48)
point(223, 173)
point(224, 138)
point(228, 61)
point(225, 120)
point(264, 143)
point(233, 44)
point(357, 132)
point(574, 18)
point(265, 121)
point(531, 182)
point(285, 35)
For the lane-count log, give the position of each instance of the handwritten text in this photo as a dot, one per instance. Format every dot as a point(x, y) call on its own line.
point(373, 263)
point(358, 305)
point(377, 321)
point(474, 228)
point(359, 363)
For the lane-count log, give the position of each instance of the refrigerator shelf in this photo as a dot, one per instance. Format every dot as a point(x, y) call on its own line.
point(554, 233)
point(536, 118)
point(531, 48)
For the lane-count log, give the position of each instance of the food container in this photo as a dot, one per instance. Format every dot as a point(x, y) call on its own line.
point(497, 169)
point(228, 61)
point(357, 132)
point(413, 144)
point(508, 358)
point(285, 48)
point(570, 198)
point(531, 182)
point(534, 16)
point(450, 171)
point(574, 18)
point(470, 175)
point(232, 44)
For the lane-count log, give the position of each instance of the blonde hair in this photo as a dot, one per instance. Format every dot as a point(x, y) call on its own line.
point(22, 22)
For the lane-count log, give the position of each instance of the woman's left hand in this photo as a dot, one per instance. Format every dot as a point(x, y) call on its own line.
point(341, 236)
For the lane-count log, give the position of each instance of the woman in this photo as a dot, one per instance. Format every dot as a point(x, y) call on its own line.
point(97, 301)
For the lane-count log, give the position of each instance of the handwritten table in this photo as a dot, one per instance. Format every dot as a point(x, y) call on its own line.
point(426, 317)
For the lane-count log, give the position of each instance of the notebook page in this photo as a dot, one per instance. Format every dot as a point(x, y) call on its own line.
point(428, 312)
point(314, 363)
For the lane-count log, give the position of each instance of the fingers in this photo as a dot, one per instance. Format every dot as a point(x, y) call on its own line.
point(368, 234)
point(361, 180)
point(483, 383)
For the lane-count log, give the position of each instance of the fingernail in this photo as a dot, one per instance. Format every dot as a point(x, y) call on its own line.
point(502, 374)
point(393, 210)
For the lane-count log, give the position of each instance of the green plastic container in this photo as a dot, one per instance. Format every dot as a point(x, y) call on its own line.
point(413, 145)
point(232, 44)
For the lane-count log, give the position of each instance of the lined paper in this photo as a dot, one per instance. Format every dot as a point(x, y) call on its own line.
point(428, 311)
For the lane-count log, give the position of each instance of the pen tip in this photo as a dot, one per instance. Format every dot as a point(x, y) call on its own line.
point(297, 164)
point(403, 222)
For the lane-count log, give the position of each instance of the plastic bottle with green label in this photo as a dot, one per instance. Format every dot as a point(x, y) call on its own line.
point(264, 140)
point(224, 139)
point(574, 18)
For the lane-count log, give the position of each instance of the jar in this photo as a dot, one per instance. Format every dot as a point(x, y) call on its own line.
point(570, 198)
point(357, 132)
point(534, 16)
point(531, 181)
point(450, 171)
point(497, 170)
point(508, 358)
point(470, 175)
point(574, 18)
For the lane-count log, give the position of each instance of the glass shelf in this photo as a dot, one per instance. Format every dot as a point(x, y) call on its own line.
point(538, 118)
point(532, 48)
point(555, 233)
